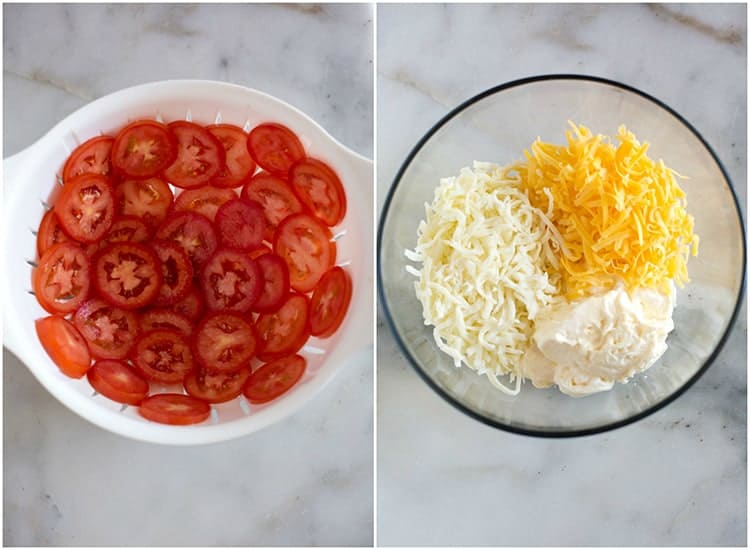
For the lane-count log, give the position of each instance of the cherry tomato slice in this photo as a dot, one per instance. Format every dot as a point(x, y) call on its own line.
point(275, 148)
point(224, 342)
point(109, 331)
point(200, 156)
point(231, 280)
point(204, 200)
point(191, 306)
point(91, 157)
point(241, 224)
point(64, 345)
point(175, 409)
point(162, 355)
point(125, 229)
point(275, 196)
point(143, 148)
point(86, 208)
point(154, 319)
point(176, 271)
point(118, 382)
point(193, 232)
point(239, 164)
point(148, 199)
point(329, 302)
point(127, 275)
point(62, 279)
point(275, 283)
point(274, 379)
point(50, 232)
point(320, 189)
point(307, 247)
point(216, 387)
point(284, 331)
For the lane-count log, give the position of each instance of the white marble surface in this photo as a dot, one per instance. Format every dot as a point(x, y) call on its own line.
point(678, 477)
point(304, 481)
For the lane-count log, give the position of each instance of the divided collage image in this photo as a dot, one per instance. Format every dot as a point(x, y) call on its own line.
point(374, 275)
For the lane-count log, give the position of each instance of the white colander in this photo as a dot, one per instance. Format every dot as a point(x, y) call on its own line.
point(31, 176)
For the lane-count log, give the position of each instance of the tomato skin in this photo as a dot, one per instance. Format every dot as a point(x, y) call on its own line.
point(64, 345)
point(274, 147)
point(91, 157)
point(231, 281)
point(216, 388)
point(224, 342)
point(239, 164)
point(50, 232)
point(275, 197)
point(177, 272)
point(109, 331)
point(85, 208)
point(193, 232)
point(149, 199)
point(200, 156)
point(118, 382)
point(162, 355)
point(154, 319)
point(274, 379)
point(175, 409)
point(320, 189)
point(127, 275)
point(62, 279)
point(284, 331)
point(275, 283)
point(203, 200)
point(143, 148)
point(241, 224)
point(329, 302)
point(307, 247)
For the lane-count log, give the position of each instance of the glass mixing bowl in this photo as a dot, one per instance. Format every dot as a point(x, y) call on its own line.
point(497, 126)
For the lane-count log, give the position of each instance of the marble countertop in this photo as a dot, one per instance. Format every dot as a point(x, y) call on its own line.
point(678, 477)
point(68, 482)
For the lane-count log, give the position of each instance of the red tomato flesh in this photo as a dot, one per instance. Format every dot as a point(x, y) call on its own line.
point(61, 281)
point(274, 379)
point(329, 302)
point(91, 157)
point(64, 345)
point(224, 342)
point(109, 331)
point(50, 232)
point(118, 382)
point(216, 387)
point(239, 164)
point(241, 224)
point(175, 409)
point(86, 208)
point(275, 197)
point(275, 148)
point(193, 232)
point(176, 271)
point(148, 199)
point(164, 318)
point(162, 355)
point(320, 189)
point(231, 280)
point(203, 200)
point(284, 331)
point(200, 156)
point(307, 247)
point(127, 275)
point(191, 306)
point(143, 148)
point(275, 283)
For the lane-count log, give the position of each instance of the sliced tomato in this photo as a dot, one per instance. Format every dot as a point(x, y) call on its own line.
point(275, 147)
point(204, 200)
point(175, 409)
point(193, 232)
point(127, 275)
point(284, 331)
point(109, 331)
point(162, 355)
point(91, 157)
point(191, 306)
point(239, 164)
point(329, 302)
point(143, 148)
point(274, 379)
point(200, 156)
point(50, 232)
point(62, 278)
point(307, 247)
point(320, 189)
point(275, 196)
point(118, 382)
point(86, 207)
point(241, 224)
point(127, 229)
point(164, 318)
point(64, 345)
point(260, 251)
point(231, 280)
point(224, 342)
point(275, 283)
point(176, 271)
point(148, 199)
point(216, 387)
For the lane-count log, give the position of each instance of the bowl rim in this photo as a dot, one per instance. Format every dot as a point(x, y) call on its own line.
point(541, 432)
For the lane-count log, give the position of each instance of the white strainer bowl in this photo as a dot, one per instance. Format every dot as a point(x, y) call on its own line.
point(29, 178)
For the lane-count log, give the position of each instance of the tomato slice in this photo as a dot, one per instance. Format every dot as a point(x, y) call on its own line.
point(231, 280)
point(62, 279)
point(275, 147)
point(200, 156)
point(224, 342)
point(118, 382)
point(86, 208)
point(154, 319)
point(50, 232)
point(109, 331)
point(127, 275)
point(193, 232)
point(175, 409)
point(191, 306)
point(91, 157)
point(275, 283)
point(329, 302)
point(274, 379)
point(162, 355)
point(143, 148)
point(125, 229)
point(204, 200)
point(176, 270)
point(320, 189)
point(216, 387)
point(275, 196)
point(307, 247)
point(241, 224)
point(64, 345)
point(284, 331)
point(148, 199)
point(239, 164)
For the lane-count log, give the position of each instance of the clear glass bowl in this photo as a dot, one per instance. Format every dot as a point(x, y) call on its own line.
point(497, 126)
